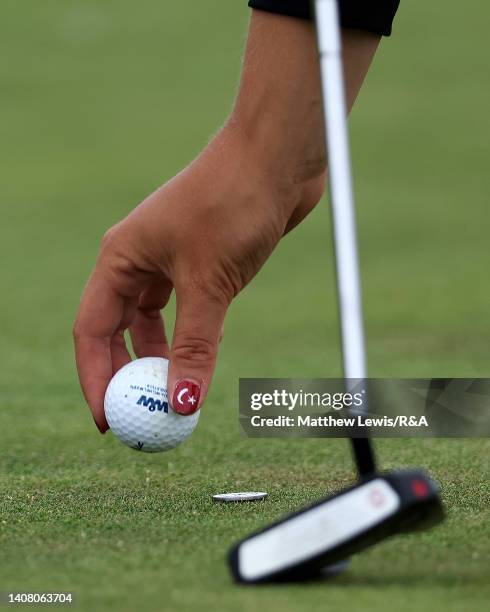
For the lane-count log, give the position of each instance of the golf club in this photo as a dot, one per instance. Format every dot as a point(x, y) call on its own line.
point(317, 538)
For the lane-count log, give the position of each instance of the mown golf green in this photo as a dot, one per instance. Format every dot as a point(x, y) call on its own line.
point(101, 102)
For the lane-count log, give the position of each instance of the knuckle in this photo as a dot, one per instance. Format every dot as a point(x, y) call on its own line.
point(194, 349)
point(117, 263)
point(108, 238)
point(212, 286)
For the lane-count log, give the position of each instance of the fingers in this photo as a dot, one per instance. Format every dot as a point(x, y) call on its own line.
point(99, 317)
point(147, 328)
point(119, 353)
point(198, 328)
point(148, 334)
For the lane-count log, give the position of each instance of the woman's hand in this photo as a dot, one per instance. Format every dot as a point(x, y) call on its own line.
point(207, 232)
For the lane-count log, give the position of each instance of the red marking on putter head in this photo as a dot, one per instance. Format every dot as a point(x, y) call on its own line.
point(420, 488)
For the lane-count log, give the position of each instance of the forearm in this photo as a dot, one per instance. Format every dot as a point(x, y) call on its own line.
point(278, 111)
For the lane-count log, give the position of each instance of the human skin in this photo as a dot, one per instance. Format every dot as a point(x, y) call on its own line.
point(207, 232)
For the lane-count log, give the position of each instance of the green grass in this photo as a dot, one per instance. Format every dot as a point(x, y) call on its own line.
point(101, 102)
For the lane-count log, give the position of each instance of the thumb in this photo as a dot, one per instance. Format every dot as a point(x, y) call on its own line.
point(194, 349)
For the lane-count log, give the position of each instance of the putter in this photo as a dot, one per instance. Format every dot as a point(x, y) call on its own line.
point(318, 540)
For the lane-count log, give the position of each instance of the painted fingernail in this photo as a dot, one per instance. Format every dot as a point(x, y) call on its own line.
point(185, 399)
point(101, 429)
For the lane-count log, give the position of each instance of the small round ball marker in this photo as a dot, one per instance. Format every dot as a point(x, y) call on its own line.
point(240, 497)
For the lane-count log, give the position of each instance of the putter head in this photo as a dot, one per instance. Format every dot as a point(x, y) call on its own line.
point(306, 542)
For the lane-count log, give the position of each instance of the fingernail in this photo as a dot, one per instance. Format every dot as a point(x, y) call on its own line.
point(101, 429)
point(186, 396)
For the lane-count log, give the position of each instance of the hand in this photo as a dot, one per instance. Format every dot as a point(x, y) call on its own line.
point(207, 232)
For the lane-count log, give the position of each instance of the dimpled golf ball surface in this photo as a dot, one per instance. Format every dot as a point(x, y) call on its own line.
point(137, 408)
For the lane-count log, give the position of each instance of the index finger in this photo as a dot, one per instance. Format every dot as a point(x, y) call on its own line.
point(99, 317)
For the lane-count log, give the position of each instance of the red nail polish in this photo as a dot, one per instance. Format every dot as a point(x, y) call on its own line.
point(101, 429)
point(185, 399)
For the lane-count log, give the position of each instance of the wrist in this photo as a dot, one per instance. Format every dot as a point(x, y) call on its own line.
point(290, 175)
point(290, 149)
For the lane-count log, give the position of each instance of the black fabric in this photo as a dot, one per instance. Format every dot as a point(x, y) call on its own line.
point(371, 15)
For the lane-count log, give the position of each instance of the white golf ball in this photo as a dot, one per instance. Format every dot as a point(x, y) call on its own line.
point(137, 408)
